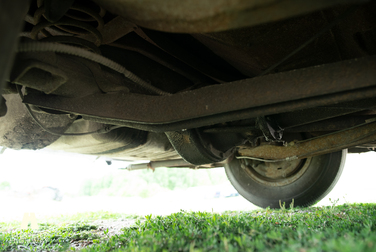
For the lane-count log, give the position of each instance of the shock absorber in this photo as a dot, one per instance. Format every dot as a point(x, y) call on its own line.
point(73, 27)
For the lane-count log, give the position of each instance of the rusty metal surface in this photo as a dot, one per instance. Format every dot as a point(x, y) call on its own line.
point(317, 146)
point(19, 131)
point(275, 174)
point(277, 170)
point(286, 91)
point(196, 16)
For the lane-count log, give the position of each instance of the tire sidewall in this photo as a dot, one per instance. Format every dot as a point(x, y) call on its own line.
point(317, 181)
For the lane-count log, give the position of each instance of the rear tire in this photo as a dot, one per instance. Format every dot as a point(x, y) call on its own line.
point(304, 182)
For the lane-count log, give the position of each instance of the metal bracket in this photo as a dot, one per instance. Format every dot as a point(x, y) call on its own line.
point(270, 129)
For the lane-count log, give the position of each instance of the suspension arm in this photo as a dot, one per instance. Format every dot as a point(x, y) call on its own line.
point(317, 146)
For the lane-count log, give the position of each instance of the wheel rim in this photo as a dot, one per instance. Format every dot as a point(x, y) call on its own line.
point(275, 174)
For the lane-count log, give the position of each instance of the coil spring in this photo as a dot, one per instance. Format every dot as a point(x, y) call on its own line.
point(75, 27)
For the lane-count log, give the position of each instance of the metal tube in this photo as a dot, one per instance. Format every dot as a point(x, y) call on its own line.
point(178, 163)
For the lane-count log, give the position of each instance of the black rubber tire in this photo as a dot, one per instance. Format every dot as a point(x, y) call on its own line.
point(318, 180)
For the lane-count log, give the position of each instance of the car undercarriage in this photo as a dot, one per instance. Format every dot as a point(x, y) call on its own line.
point(277, 92)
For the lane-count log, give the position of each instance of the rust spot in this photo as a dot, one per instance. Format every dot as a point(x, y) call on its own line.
point(186, 139)
point(317, 146)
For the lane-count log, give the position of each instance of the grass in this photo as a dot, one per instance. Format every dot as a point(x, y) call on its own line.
point(349, 227)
